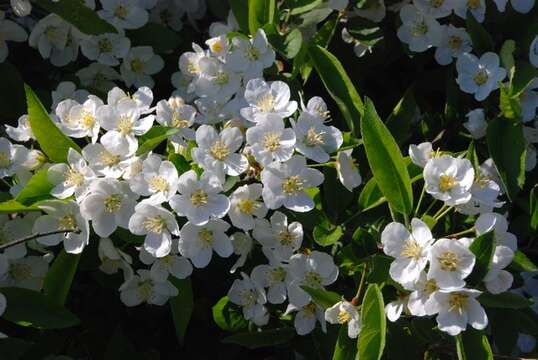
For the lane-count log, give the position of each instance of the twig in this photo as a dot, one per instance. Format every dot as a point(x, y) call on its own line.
point(35, 236)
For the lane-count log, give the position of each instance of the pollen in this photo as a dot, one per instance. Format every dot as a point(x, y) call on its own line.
point(449, 261)
point(178, 121)
point(67, 222)
point(286, 238)
point(455, 42)
point(271, 141)
point(253, 54)
point(266, 103)
point(473, 4)
point(145, 289)
point(437, 3)
point(457, 301)
point(419, 29)
point(109, 159)
point(446, 183)
point(312, 279)
point(155, 224)
point(112, 203)
point(199, 197)
point(247, 206)
point(216, 46)
point(222, 78)
point(292, 185)
point(314, 138)
point(411, 249)
point(481, 77)
point(121, 11)
point(206, 236)
point(343, 317)
point(159, 184)
point(219, 150)
point(73, 177)
point(5, 161)
point(248, 297)
point(87, 121)
point(125, 125)
point(137, 66)
point(430, 287)
point(20, 272)
point(277, 275)
point(310, 309)
point(104, 45)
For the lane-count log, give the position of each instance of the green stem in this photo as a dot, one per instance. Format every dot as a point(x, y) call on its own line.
point(439, 211)
point(460, 233)
point(361, 283)
point(327, 164)
point(429, 207)
point(443, 213)
point(419, 200)
point(392, 215)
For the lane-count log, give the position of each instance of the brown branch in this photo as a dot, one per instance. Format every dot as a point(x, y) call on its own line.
point(35, 236)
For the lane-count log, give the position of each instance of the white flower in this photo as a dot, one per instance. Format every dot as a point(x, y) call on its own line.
point(279, 236)
point(175, 113)
point(109, 204)
point(479, 76)
point(418, 30)
point(105, 48)
point(143, 98)
point(484, 194)
point(449, 179)
point(181, 84)
point(72, 178)
point(98, 76)
point(285, 184)
point(198, 242)
point(138, 66)
point(394, 309)
point(124, 124)
point(267, 98)
point(454, 42)
point(242, 244)
point(273, 276)
point(113, 259)
point(498, 280)
point(315, 140)
point(124, 14)
point(526, 343)
point(269, 141)
point(142, 288)
point(159, 180)
point(216, 80)
point(13, 229)
point(218, 46)
point(306, 317)
point(450, 262)
point(314, 270)
point(171, 264)
point(476, 7)
point(476, 123)
point(21, 7)
point(533, 52)
point(189, 62)
point(104, 161)
point(347, 170)
point(435, 8)
point(68, 90)
point(422, 290)
point(422, 153)
point(9, 31)
point(456, 309)
point(245, 205)
point(221, 28)
point(158, 224)
point(217, 152)
point(166, 12)
point(82, 121)
point(27, 272)
point(50, 36)
point(12, 158)
point(521, 6)
point(21, 133)
point(529, 101)
point(496, 222)
point(251, 298)
point(199, 199)
point(62, 216)
point(251, 57)
point(410, 250)
point(210, 111)
point(344, 312)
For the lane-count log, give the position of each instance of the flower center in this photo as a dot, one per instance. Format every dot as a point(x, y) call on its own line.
point(67, 222)
point(455, 42)
point(446, 183)
point(292, 185)
point(20, 272)
point(193, 67)
point(199, 197)
point(247, 206)
point(53, 33)
point(112, 203)
point(310, 309)
point(271, 141)
point(206, 236)
point(216, 46)
point(253, 54)
point(430, 286)
point(219, 150)
point(5, 161)
point(449, 261)
point(159, 184)
point(109, 159)
point(343, 317)
point(125, 125)
point(121, 11)
point(87, 120)
point(411, 249)
point(473, 4)
point(155, 224)
point(314, 138)
point(457, 301)
point(248, 297)
point(481, 77)
point(419, 29)
point(277, 275)
point(437, 3)
point(312, 279)
point(222, 78)
point(266, 103)
point(137, 66)
point(104, 45)
point(73, 177)
point(178, 122)
point(145, 289)
point(286, 238)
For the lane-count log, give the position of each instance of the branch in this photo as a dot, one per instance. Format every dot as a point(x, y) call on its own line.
point(35, 236)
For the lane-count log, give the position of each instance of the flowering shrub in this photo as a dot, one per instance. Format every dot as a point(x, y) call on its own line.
point(186, 172)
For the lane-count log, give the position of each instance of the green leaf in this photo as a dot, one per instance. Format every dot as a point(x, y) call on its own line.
point(507, 147)
point(338, 84)
point(345, 347)
point(30, 308)
point(386, 161)
point(287, 45)
point(60, 276)
point(482, 41)
point(38, 188)
point(159, 37)
point(483, 247)
point(323, 298)
point(507, 56)
point(506, 300)
point(50, 138)
point(13, 206)
point(524, 74)
point(260, 13)
point(298, 7)
point(521, 262)
point(327, 234)
point(259, 339)
point(509, 105)
point(533, 209)
point(79, 15)
point(473, 345)
point(153, 138)
point(182, 306)
point(181, 164)
point(371, 340)
point(399, 121)
point(240, 11)
point(227, 317)
point(370, 196)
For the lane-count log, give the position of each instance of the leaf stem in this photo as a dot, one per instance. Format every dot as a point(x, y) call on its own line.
point(460, 233)
point(327, 164)
point(429, 207)
point(420, 200)
point(361, 285)
point(443, 213)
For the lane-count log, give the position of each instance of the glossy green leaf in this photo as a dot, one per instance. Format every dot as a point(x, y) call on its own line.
point(345, 347)
point(483, 247)
point(371, 342)
point(227, 317)
point(182, 306)
point(38, 188)
point(31, 308)
point(386, 161)
point(482, 41)
point(327, 234)
point(181, 164)
point(533, 209)
point(521, 262)
point(339, 85)
point(524, 74)
point(287, 45)
point(507, 147)
point(323, 298)
point(509, 105)
point(506, 300)
point(79, 15)
point(13, 206)
point(260, 13)
point(60, 276)
point(50, 138)
point(473, 345)
point(298, 7)
point(259, 339)
point(400, 120)
point(153, 138)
